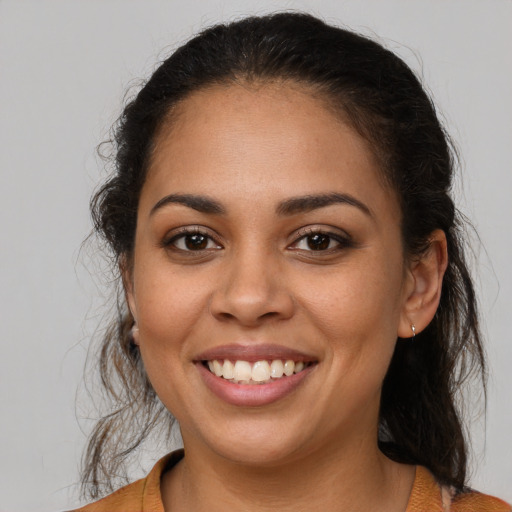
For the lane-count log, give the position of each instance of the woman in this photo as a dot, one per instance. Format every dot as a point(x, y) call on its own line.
point(296, 290)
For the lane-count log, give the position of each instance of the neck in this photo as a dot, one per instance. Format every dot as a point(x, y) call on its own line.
point(358, 478)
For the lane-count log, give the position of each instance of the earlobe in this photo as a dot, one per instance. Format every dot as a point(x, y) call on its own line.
point(135, 333)
point(423, 293)
point(127, 278)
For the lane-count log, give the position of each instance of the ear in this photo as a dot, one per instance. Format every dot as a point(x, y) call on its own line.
point(125, 268)
point(423, 286)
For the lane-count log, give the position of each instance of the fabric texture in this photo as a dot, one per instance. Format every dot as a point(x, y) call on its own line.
point(426, 495)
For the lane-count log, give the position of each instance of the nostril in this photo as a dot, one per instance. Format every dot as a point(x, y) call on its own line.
point(226, 316)
point(247, 319)
point(269, 314)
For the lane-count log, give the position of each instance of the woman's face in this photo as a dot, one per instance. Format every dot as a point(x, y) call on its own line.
point(266, 235)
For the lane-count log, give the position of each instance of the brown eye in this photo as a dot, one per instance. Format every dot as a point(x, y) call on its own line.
point(192, 241)
point(322, 242)
point(195, 242)
point(318, 241)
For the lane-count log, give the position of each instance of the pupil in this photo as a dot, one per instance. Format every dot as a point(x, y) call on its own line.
point(196, 242)
point(318, 242)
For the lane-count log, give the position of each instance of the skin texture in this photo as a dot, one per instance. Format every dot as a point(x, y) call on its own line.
point(258, 281)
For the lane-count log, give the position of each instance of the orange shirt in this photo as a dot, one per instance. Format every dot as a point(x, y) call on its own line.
point(426, 496)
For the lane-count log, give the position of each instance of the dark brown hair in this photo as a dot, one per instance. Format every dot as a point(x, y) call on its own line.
point(384, 101)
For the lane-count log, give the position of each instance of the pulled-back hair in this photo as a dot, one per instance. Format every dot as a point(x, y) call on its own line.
point(380, 97)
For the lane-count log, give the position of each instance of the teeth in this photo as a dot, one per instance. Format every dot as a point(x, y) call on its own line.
point(276, 369)
point(243, 371)
point(217, 368)
point(228, 370)
point(289, 366)
point(261, 372)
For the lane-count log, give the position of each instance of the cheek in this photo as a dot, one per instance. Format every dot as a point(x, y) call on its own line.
point(170, 310)
point(355, 301)
point(357, 315)
point(357, 312)
point(169, 306)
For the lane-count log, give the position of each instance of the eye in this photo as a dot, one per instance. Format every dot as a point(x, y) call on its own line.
point(321, 241)
point(192, 241)
point(316, 242)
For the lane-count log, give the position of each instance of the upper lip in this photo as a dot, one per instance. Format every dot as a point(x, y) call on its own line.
point(254, 352)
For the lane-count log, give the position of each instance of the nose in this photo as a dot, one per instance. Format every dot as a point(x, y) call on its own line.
point(252, 290)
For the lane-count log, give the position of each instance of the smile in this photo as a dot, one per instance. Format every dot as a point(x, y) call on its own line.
point(259, 372)
point(252, 374)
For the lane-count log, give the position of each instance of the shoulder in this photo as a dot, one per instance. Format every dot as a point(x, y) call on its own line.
point(428, 495)
point(477, 502)
point(127, 498)
point(140, 496)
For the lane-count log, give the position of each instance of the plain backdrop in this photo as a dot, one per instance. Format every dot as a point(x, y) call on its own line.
point(64, 68)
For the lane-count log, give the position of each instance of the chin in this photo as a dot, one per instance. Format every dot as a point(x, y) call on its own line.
point(252, 444)
point(258, 455)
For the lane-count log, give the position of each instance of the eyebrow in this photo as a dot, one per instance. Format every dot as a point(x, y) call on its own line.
point(202, 204)
point(292, 206)
point(308, 203)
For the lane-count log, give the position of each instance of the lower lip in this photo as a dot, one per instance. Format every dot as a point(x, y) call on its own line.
point(252, 395)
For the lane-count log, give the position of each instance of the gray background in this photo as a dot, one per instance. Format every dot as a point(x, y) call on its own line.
point(64, 67)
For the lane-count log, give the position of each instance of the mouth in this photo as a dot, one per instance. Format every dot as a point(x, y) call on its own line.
point(255, 373)
point(252, 375)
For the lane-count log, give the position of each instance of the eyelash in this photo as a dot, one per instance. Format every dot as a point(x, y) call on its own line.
point(189, 232)
point(342, 241)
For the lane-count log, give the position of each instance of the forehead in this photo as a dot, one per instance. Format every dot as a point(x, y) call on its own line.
point(267, 139)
